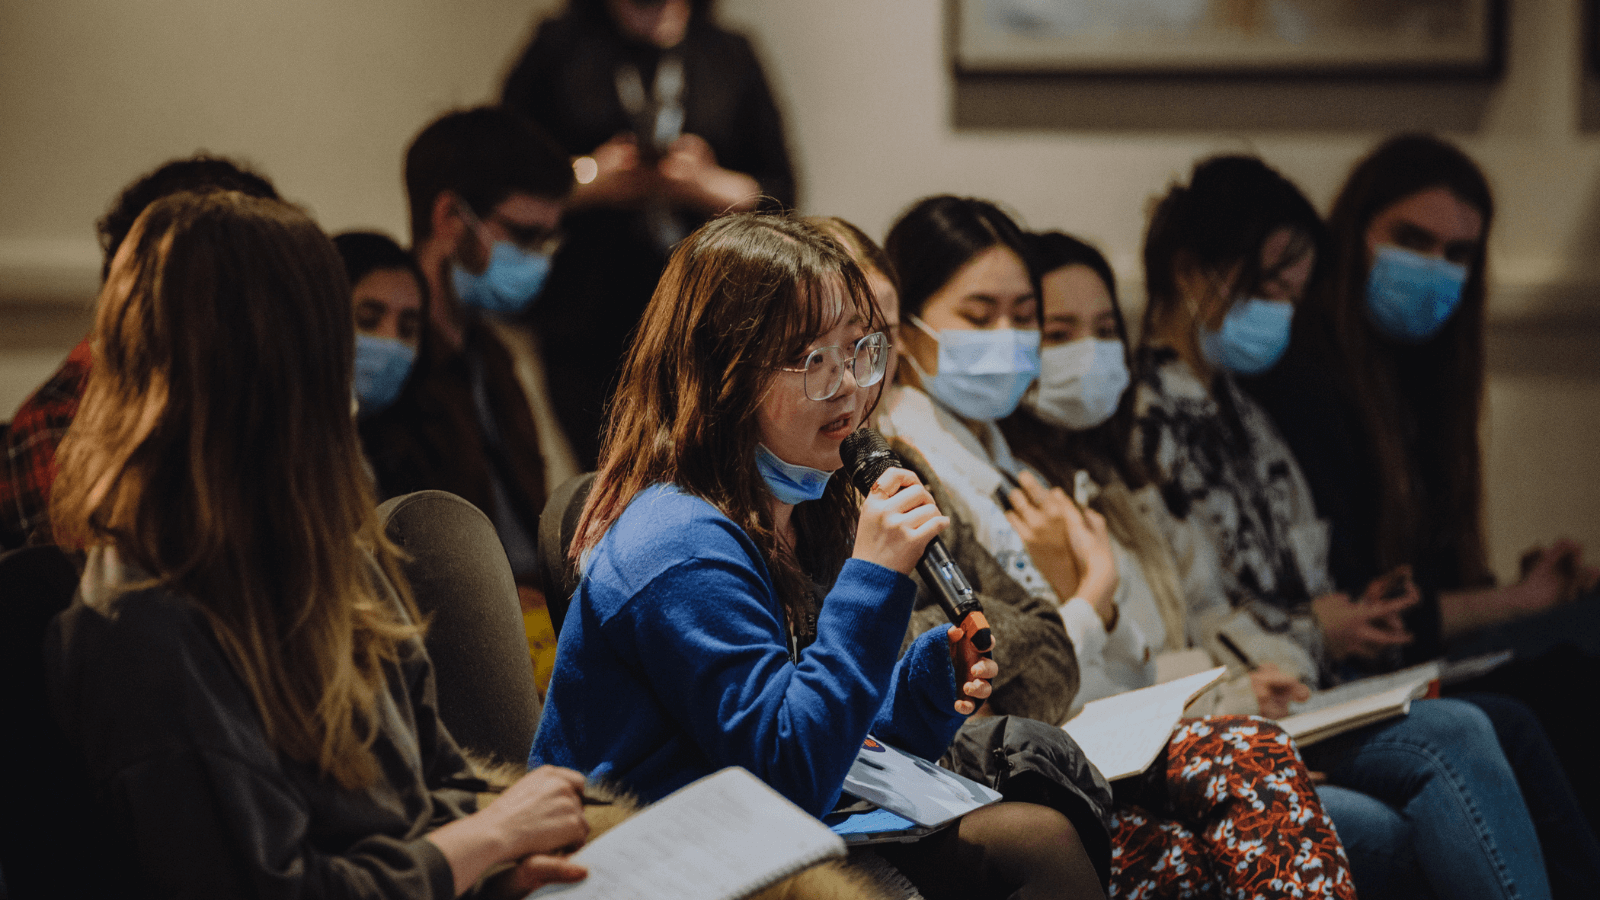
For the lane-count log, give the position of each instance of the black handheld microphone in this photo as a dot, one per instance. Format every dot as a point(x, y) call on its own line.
point(866, 456)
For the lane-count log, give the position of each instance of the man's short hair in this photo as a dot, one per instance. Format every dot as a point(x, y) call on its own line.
point(198, 173)
point(484, 155)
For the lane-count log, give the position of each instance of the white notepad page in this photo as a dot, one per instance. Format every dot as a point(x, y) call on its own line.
point(1124, 733)
point(723, 837)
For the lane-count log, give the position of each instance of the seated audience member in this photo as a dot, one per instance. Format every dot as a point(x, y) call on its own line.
point(241, 667)
point(1072, 428)
point(387, 294)
point(698, 637)
point(1380, 394)
point(1038, 676)
point(1380, 398)
point(970, 332)
point(28, 448)
point(1226, 258)
point(486, 192)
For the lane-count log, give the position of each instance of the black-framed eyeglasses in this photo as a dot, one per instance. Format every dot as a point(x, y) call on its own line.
point(824, 367)
point(533, 238)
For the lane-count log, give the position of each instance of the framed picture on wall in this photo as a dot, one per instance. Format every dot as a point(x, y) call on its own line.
point(1379, 38)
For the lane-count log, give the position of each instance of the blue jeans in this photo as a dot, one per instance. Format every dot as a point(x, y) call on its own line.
point(1442, 769)
point(1379, 842)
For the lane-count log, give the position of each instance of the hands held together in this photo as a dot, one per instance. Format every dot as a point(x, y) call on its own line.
point(1070, 545)
point(687, 175)
point(1367, 627)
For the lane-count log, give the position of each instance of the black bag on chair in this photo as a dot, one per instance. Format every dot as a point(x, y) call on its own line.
point(1029, 761)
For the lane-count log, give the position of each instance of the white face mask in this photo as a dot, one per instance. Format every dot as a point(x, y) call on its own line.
point(1080, 383)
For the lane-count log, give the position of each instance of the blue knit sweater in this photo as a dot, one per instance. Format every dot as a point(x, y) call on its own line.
point(672, 664)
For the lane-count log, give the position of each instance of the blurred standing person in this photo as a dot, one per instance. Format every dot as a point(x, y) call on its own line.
point(674, 124)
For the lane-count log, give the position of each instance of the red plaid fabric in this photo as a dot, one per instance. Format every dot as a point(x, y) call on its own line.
point(30, 449)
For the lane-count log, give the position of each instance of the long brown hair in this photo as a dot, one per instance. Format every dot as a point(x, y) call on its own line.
point(1420, 404)
point(215, 450)
point(741, 295)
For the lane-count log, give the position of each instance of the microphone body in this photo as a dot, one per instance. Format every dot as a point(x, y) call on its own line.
point(866, 456)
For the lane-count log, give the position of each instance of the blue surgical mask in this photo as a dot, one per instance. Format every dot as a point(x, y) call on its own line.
point(982, 373)
point(510, 284)
point(1253, 336)
point(382, 365)
point(788, 482)
point(1411, 296)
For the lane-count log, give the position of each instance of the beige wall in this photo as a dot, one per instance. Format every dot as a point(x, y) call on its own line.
point(323, 94)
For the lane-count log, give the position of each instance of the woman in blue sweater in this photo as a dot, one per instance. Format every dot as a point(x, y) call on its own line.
point(699, 637)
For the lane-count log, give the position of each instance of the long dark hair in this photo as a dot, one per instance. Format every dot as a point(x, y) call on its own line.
point(215, 450)
point(1216, 224)
point(740, 295)
point(1432, 481)
point(933, 239)
point(1102, 450)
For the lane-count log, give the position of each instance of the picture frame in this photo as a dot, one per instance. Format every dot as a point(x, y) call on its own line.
point(1231, 38)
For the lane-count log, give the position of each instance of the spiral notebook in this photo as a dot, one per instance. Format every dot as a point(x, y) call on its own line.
point(723, 837)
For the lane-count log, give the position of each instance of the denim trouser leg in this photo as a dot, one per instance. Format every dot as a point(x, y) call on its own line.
point(1443, 769)
point(1379, 843)
point(1571, 853)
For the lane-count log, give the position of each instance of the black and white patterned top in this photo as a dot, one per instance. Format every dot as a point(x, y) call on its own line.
point(1223, 466)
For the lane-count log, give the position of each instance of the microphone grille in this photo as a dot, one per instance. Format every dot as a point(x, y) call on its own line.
point(866, 455)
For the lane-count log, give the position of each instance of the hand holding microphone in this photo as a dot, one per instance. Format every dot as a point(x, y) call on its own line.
point(892, 491)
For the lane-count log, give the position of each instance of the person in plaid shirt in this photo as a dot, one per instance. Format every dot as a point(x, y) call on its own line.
point(28, 449)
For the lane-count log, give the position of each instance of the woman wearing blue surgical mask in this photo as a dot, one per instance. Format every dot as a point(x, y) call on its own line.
point(969, 350)
point(1230, 233)
point(1380, 398)
point(961, 266)
point(387, 295)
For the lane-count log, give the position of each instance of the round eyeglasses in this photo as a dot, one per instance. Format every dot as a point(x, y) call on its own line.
point(824, 367)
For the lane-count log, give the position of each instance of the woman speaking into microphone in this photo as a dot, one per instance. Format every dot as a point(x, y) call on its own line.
point(739, 606)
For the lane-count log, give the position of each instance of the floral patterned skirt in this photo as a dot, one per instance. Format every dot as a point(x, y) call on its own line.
point(1241, 821)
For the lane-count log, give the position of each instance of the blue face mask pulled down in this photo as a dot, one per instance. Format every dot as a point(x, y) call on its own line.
point(513, 280)
point(788, 482)
point(382, 366)
point(982, 373)
point(1253, 336)
point(1411, 296)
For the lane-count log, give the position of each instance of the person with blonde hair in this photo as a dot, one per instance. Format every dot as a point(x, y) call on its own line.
point(241, 668)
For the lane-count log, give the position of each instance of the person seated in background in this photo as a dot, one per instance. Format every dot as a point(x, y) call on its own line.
point(1380, 394)
point(389, 299)
point(699, 637)
point(1038, 677)
point(970, 333)
point(1227, 256)
point(28, 449)
point(241, 667)
point(1072, 428)
point(486, 191)
point(1380, 397)
point(673, 122)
